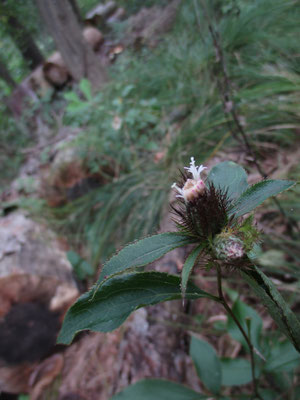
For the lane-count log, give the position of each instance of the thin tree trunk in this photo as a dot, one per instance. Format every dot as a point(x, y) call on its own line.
point(6, 76)
point(76, 11)
point(65, 29)
point(21, 37)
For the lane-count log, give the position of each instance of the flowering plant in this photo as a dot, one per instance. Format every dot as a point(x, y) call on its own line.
point(208, 216)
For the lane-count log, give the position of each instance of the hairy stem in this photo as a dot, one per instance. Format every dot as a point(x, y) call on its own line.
point(247, 338)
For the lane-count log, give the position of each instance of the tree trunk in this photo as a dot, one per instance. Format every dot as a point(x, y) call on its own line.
point(21, 37)
point(5, 75)
point(76, 11)
point(79, 57)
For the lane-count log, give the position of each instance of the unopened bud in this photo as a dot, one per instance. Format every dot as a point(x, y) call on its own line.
point(228, 248)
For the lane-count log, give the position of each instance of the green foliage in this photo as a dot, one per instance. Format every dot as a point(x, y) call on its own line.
point(152, 389)
point(23, 397)
point(143, 252)
point(188, 267)
point(219, 373)
point(91, 310)
point(207, 364)
point(107, 308)
point(229, 177)
point(81, 267)
point(14, 137)
point(125, 125)
point(235, 372)
point(277, 307)
point(246, 317)
point(257, 194)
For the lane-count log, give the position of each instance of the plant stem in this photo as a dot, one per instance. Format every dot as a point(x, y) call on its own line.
point(247, 338)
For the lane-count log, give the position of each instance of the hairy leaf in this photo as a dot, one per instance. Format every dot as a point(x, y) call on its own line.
point(257, 194)
point(277, 307)
point(229, 177)
point(143, 252)
point(108, 307)
point(188, 266)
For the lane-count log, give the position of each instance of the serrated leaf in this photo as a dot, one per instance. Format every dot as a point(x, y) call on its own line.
point(154, 389)
point(143, 252)
point(108, 307)
point(86, 88)
point(207, 364)
point(274, 302)
point(257, 194)
point(235, 372)
point(188, 266)
point(229, 177)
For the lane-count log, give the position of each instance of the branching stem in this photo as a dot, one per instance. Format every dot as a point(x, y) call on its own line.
point(246, 337)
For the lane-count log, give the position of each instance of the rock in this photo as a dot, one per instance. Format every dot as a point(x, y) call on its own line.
point(36, 288)
point(33, 268)
point(55, 70)
point(38, 82)
point(69, 177)
point(94, 37)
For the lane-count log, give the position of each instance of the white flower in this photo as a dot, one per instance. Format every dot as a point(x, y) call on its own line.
point(192, 187)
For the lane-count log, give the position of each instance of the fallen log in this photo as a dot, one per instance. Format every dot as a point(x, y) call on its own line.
point(101, 12)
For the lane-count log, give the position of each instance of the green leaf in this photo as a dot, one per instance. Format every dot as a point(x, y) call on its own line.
point(242, 312)
point(235, 372)
point(268, 394)
point(72, 97)
point(274, 302)
point(229, 176)
point(188, 266)
point(207, 364)
point(154, 389)
point(108, 307)
point(143, 252)
point(86, 88)
point(257, 194)
point(283, 357)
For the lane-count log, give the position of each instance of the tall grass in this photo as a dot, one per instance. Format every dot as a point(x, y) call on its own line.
point(262, 58)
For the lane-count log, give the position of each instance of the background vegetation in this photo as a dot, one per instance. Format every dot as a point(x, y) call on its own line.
point(162, 105)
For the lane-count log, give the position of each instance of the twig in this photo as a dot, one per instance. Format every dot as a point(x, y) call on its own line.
point(247, 338)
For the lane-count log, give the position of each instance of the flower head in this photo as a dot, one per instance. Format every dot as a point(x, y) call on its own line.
point(202, 208)
point(202, 211)
point(192, 188)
